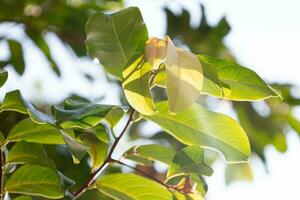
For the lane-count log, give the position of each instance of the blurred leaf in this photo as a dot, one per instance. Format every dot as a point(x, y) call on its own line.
point(244, 84)
point(115, 38)
point(184, 78)
point(83, 115)
point(29, 153)
point(38, 133)
point(23, 198)
point(294, 123)
point(145, 154)
point(3, 77)
point(16, 57)
point(36, 181)
point(40, 42)
point(97, 149)
point(77, 149)
point(13, 101)
point(199, 126)
point(130, 186)
point(189, 160)
point(237, 172)
point(136, 86)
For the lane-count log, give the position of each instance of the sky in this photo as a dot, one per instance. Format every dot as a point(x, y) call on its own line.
point(265, 37)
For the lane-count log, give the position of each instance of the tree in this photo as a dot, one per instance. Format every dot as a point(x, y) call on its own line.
point(120, 41)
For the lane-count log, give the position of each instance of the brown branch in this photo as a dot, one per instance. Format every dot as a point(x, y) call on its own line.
point(91, 179)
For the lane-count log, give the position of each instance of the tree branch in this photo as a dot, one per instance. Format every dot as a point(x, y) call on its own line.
point(91, 179)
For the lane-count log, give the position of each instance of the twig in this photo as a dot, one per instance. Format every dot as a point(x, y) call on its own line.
point(92, 177)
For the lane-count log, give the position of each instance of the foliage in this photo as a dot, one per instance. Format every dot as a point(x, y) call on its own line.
point(34, 147)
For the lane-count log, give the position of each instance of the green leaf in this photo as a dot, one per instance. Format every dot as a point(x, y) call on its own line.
point(2, 139)
point(189, 160)
point(38, 133)
point(239, 83)
point(184, 78)
point(145, 154)
point(130, 186)
point(29, 153)
point(97, 148)
point(3, 77)
point(136, 86)
point(293, 122)
point(35, 180)
point(237, 172)
point(16, 58)
point(83, 115)
point(13, 101)
point(23, 198)
point(115, 38)
point(199, 126)
point(77, 149)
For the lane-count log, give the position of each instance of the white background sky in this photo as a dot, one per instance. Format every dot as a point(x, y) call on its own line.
point(265, 36)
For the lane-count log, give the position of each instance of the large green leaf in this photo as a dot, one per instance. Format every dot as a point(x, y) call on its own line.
point(3, 77)
point(13, 101)
point(35, 180)
point(145, 154)
point(38, 133)
point(199, 126)
point(132, 187)
point(184, 78)
point(115, 38)
point(189, 160)
point(239, 83)
point(136, 86)
point(97, 148)
point(84, 115)
point(29, 153)
point(23, 198)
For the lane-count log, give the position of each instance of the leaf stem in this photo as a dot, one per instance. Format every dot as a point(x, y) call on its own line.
point(169, 187)
point(91, 179)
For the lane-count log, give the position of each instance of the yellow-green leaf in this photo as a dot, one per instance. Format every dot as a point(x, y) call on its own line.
point(136, 86)
point(132, 187)
point(3, 77)
point(199, 126)
point(184, 78)
point(35, 180)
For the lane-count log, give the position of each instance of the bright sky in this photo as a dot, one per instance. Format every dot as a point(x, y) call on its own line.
point(265, 36)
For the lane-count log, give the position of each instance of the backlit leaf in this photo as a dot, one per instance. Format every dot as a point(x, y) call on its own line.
point(189, 160)
point(35, 180)
point(241, 83)
point(97, 149)
point(136, 86)
point(130, 186)
point(155, 52)
point(115, 38)
point(29, 153)
point(199, 126)
point(184, 78)
point(237, 172)
point(38, 133)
